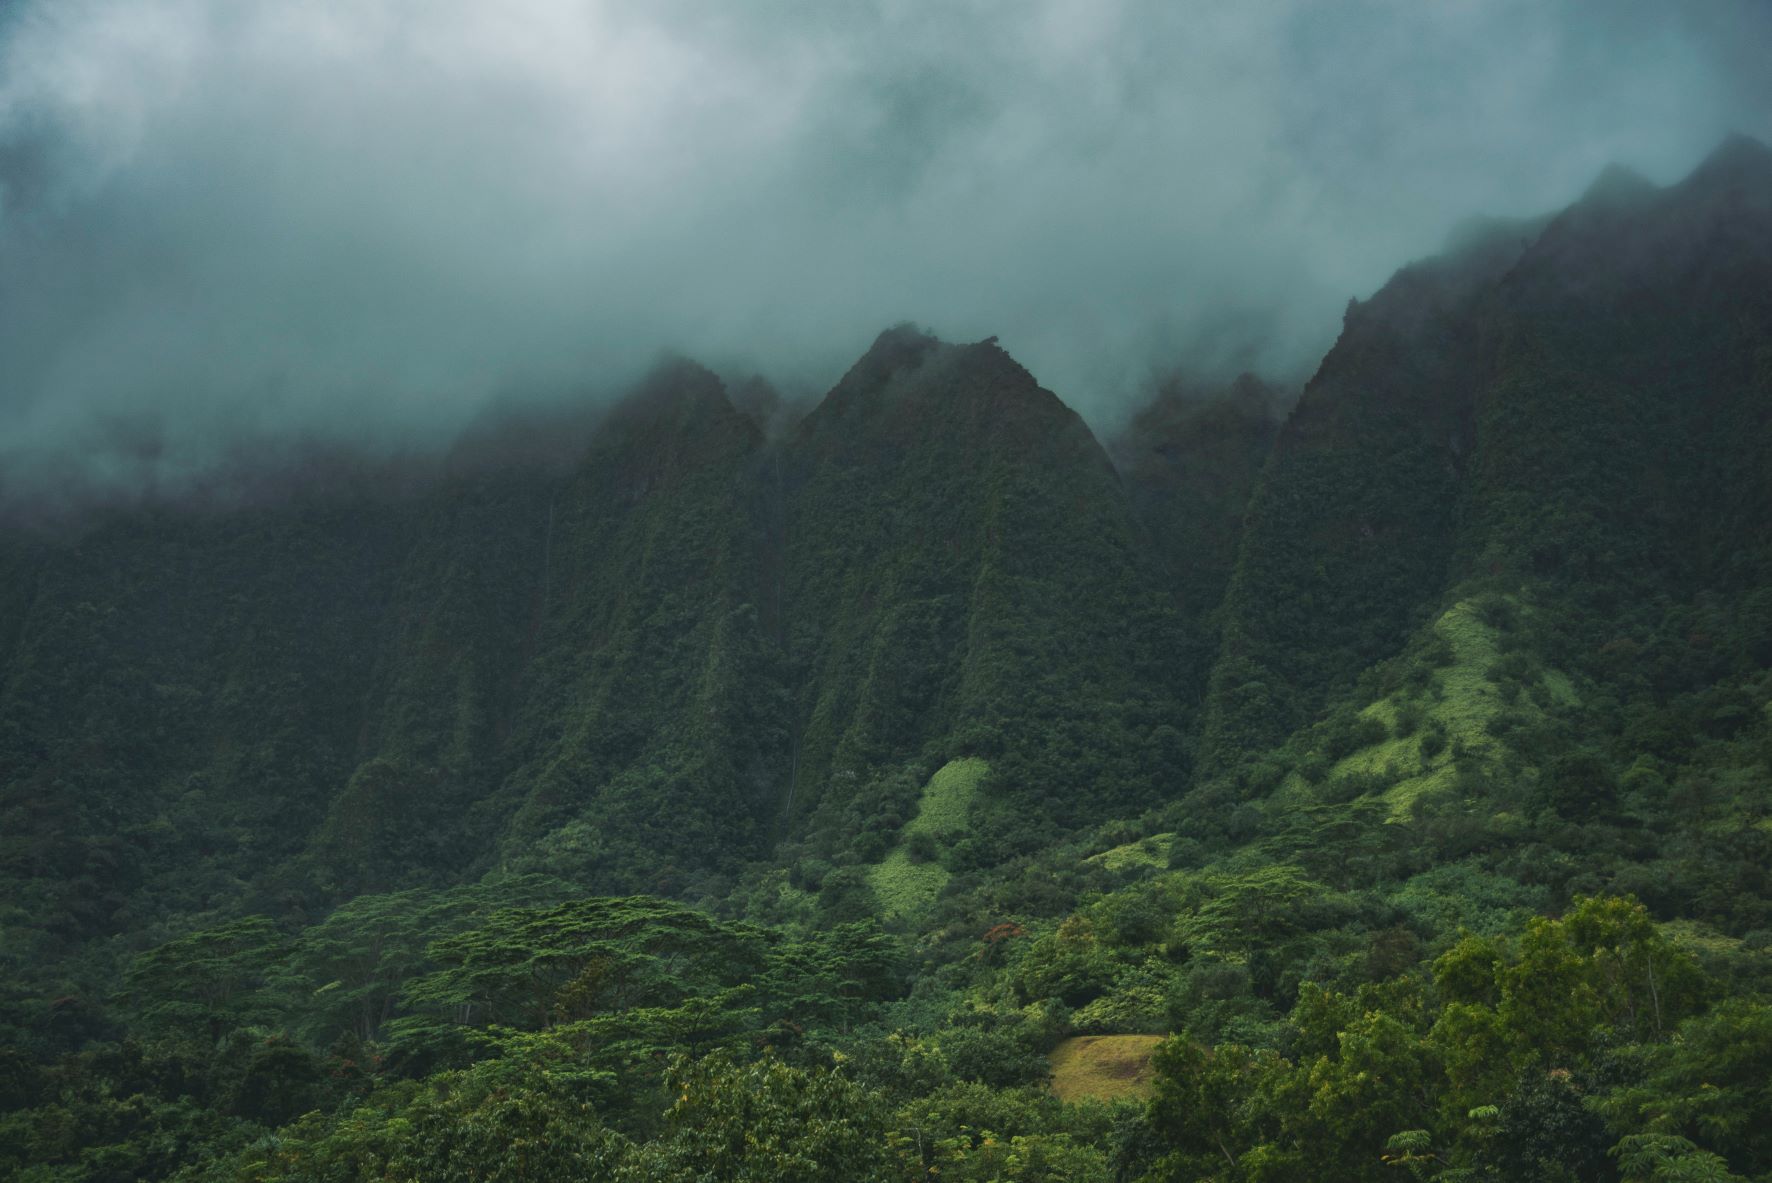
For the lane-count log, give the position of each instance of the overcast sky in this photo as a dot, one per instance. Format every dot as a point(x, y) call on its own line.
point(227, 216)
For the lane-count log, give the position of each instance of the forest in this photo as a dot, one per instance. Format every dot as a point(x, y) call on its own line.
point(1369, 782)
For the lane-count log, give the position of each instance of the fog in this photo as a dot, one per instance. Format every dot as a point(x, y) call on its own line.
point(223, 219)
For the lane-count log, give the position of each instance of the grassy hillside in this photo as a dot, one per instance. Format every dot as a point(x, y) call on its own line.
point(909, 878)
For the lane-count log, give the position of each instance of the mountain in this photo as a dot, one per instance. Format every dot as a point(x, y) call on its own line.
point(963, 576)
point(1376, 778)
point(634, 670)
point(1577, 402)
point(1191, 460)
point(573, 678)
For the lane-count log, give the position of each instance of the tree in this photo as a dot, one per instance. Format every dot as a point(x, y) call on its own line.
point(210, 981)
point(764, 1122)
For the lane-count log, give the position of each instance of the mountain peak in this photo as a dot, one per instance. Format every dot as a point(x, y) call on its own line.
point(1738, 159)
point(1617, 185)
point(675, 377)
point(904, 346)
point(679, 403)
point(911, 386)
point(1736, 176)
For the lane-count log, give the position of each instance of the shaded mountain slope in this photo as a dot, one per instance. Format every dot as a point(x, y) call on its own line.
point(562, 682)
point(634, 663)
point(336, 693)
point(1579, 403)
point(649, 721)
point(1191, 460)
point(963, 577)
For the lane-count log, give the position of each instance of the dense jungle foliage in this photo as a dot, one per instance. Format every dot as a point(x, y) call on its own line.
point(1384, 793)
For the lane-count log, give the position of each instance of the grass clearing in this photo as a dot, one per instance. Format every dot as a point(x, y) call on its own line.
point(1103, 1067)
point(1462, 701)
point(907, 889)
point(1146, 852)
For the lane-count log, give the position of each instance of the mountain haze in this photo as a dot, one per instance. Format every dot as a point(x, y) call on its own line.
point(1377, 777)
point(651, 665)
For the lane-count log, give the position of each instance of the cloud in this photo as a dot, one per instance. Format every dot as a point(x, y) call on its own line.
point(369, 217)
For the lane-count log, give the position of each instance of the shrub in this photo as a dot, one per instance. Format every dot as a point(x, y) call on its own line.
point(1409, 717)
point(1496, 611)
point(1351, 785)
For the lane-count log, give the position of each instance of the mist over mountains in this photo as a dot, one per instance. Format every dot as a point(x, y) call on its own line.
point(916, 781)
point(531, 649)
point(225, 223)
point(886, 592)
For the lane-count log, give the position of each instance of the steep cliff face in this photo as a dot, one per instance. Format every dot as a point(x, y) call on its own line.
point(1623, 431)
point(643, 661)
point(1577, 401)
point(648, 735)
point(1191, 459)
point(963, 576)
point(634, 665)
point(357, 691)
point(564, 684)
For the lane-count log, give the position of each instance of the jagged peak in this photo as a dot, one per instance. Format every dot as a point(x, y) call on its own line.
point(902, 346)
point(1739, 159)
point(676, 397)
point(679, 397)
point(901, 352)
point(906, 346)
point(905, 335)
point(1617, 185)
point(911, 383)
point(898, 350)
point(676, 377)
point(1625, 233)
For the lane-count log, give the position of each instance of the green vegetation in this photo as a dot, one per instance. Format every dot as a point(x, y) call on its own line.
point(898, 801)
point(1417, 739)
point(1103, 1067)
point(1152, 852)
point(963, 576)
point(909, 878)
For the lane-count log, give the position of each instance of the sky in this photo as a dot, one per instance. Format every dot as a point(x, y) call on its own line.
point(226, 219)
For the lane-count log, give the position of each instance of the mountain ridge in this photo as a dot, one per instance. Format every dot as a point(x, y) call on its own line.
point(1383, 775)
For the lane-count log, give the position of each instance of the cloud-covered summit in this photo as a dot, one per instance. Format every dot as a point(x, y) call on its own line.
point(224, 218)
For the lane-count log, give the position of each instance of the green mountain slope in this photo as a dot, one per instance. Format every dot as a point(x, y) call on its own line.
point(1572, 404)
point(574, 679)
point(634, 669)
point(350, 693)
point(963, 577)
point(1191, 460)
point(1385, 791)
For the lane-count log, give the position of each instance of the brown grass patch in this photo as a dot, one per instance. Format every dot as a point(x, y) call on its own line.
point(1103, 1067)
